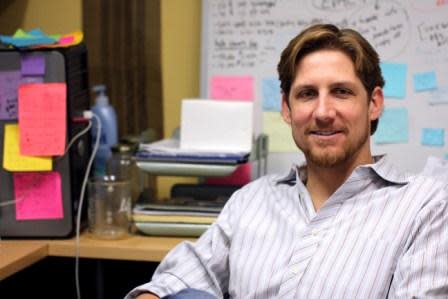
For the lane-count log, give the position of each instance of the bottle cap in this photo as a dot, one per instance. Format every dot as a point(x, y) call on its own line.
point(100, 92)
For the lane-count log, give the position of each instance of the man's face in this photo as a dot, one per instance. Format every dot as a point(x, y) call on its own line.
point(329, 110)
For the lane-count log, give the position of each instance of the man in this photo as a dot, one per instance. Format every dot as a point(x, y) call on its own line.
point(345, 224)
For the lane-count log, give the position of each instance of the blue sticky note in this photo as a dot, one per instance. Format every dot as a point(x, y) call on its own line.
point(393, 126)
point(272, 98)
point(433, 136)
point(394, 75)
point(425, 81)
point(438, 96)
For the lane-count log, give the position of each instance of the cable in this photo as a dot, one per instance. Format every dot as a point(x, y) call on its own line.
point(76, 137)
point(89, 115)
point(85, 130)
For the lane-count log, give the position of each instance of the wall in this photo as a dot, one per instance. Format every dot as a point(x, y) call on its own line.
point(243, 41)
point(181, 22)
point(55, 17)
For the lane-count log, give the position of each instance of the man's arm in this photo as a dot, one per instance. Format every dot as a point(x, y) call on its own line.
point(422, 271)
point(147, 296)
point(200, 265)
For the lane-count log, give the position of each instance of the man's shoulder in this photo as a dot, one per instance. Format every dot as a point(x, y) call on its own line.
point(429, 188)
point(436, 182)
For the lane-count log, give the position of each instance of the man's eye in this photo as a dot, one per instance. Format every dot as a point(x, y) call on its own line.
point(342, 92)
point(306, 94)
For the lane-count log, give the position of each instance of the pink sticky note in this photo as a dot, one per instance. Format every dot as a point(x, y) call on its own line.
point(232, 88)
point(42, 119)
point(66, 40)
point(38, 195)
point(33, 64)
point(9, 83)
point(241, 176)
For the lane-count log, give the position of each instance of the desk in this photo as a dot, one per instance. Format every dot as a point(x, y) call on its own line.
point(16, 255)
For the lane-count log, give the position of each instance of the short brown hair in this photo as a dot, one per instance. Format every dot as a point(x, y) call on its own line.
point(327, 36)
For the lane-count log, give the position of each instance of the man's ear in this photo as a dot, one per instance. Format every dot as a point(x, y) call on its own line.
point(286, 111)
point(376, 105)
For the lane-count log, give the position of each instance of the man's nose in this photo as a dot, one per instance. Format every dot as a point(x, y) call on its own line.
point(324, 110)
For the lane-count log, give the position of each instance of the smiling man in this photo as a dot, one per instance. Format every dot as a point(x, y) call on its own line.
point(345, 224)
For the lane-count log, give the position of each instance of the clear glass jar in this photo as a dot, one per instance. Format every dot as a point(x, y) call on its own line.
point(109, 208)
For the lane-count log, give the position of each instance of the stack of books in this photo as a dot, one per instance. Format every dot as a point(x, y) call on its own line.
point(176, 216)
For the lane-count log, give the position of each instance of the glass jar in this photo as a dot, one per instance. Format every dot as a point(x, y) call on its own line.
point(109, 208)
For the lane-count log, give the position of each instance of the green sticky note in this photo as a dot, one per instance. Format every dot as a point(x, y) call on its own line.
point(21, 34)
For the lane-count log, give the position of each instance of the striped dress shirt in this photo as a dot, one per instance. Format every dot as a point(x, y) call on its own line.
point(382, 234)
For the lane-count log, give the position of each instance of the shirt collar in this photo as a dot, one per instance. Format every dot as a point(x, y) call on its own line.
point(385, 169)
point(382, 167)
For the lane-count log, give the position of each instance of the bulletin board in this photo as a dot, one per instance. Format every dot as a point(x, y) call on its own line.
point(241, 45)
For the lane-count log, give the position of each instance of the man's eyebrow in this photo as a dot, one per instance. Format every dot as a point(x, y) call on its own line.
point(332, 85)
point(302, 86)
point(343, 83)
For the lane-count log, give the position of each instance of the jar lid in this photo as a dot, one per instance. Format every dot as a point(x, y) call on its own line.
point(122, 148)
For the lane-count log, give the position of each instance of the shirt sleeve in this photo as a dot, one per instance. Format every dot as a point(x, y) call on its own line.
point(422, 271)
point(202, 265)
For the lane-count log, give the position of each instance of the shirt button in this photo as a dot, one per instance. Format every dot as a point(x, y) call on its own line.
point(315, 232)
point(295, 270)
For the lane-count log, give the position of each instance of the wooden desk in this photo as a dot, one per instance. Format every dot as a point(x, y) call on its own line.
point(16, 255)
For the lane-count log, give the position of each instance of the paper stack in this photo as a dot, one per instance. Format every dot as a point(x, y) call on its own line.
point(214, 132)
point(176, 216)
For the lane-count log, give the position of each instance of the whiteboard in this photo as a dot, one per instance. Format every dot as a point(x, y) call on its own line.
point(244, 38)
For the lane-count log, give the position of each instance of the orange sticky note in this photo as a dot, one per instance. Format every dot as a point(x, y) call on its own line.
point(38, 195)
point(13, 160)
point(232, 88)
point(42, 119)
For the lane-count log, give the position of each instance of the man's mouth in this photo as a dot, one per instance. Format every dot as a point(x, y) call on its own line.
point(325, 132)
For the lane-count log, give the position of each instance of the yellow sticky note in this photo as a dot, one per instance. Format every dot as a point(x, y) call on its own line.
point(14, 161)
point(279, 132)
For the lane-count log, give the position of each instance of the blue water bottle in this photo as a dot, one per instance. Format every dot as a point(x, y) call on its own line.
point(109, 129)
